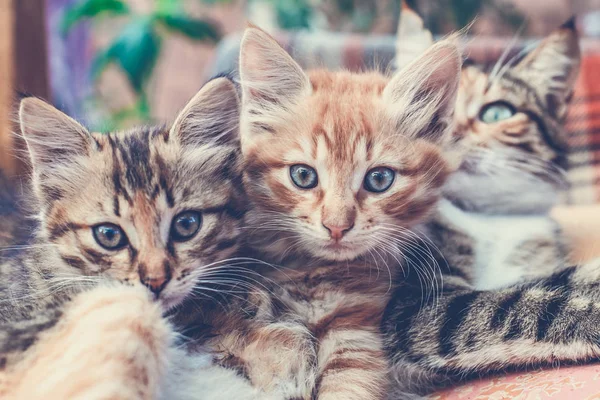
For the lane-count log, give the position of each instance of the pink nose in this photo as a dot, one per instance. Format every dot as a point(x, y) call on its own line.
point(336, 232)
point(155, 278)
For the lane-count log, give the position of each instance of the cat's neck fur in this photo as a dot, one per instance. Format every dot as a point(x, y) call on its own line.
point(35, 271)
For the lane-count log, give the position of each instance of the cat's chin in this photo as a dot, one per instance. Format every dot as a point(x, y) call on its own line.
point(336, 252)
point(170, 302)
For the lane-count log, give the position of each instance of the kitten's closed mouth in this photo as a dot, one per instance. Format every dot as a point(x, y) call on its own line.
point(336, 246)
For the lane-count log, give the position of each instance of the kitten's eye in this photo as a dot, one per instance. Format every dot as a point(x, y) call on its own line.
point(379, 179)
point(304, 177)
point(185, 225)
point(110, 236)
point(496, 112)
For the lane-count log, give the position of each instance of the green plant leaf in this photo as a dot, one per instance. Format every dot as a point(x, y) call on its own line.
point(169, 6)
point(216, 1)
point(293, 14)
point(135, 50)
point(193, 28)
point(466, 10)
point(88, 9)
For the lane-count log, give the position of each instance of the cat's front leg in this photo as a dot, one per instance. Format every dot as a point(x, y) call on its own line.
point(111, 343)
point(352, 366)
point(279, 359)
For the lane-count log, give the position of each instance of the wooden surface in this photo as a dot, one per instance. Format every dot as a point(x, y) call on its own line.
point(7, 162)
point(23, 69)
point(31, 62)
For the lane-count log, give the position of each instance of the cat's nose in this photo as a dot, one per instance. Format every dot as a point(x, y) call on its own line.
point(336, 232)
point(155, 279)
point(156, 285)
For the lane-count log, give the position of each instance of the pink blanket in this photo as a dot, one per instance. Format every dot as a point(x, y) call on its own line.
point(567, 383)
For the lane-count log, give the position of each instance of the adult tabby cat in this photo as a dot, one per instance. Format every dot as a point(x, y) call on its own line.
point(517, 115)
point(155, 207)
point(494, 224)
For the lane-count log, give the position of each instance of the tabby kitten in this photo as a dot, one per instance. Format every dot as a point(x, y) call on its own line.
point(155, 207)
point(334, 164)
point(504, 191)
point(517, 117)
point(494, 224)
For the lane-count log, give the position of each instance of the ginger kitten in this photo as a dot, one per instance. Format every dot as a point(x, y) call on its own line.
point(338, 167)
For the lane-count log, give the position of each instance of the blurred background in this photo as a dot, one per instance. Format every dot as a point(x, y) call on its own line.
point(114, 63)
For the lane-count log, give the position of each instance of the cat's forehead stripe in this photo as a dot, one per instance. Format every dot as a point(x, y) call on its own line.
point(541, 111)
point(137, 168)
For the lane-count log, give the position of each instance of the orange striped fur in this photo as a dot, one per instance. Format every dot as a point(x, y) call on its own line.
point(314, 333)
point(111, 343)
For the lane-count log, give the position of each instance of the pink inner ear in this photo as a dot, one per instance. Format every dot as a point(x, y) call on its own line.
point(258, 54)
point(444, 67)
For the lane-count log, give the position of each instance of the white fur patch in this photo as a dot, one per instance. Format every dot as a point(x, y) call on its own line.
point(496, 238)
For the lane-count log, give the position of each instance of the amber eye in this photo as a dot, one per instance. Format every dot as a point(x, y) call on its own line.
point(185, 225)
point(496, 112)
point(379, 179)
point(110, 236)
point(303, 176)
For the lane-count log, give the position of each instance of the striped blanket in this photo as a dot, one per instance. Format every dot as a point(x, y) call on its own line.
point(359, 53)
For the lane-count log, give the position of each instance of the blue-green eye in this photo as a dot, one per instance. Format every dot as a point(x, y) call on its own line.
point(379, 179)
point(303, 176)
point(496, 112)
point(185, 225)
point(110, 236)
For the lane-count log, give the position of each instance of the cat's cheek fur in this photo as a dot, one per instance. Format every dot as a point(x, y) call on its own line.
point(112, 342)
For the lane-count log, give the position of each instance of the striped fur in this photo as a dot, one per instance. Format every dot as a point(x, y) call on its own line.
point(314, 331)
point(512, 173)
point(527, 149)
point(139, 180)
point(492, 231)
point(112, 342)
point(15, 227)
point(465, 333)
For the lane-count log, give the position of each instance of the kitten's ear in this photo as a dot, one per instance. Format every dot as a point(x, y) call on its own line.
point(420, 98)
point(52, 137)
point(211, 117)
point(412, 38)
point(268, 74)
point(57, 144)
point(552, 68)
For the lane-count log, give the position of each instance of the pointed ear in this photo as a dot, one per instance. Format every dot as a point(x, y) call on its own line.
point(420, 98)
point(268, 74)
point(552, 68)
point(412, 38)
point(57, 144)
point(52, 137)
point(210, 117)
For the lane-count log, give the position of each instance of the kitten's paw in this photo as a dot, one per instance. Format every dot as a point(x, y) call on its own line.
point(111, 343)
point(281, 360)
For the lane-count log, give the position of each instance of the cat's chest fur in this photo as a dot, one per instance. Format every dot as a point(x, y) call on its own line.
point(315, 295)
point(502, 249)
point(292, 325)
